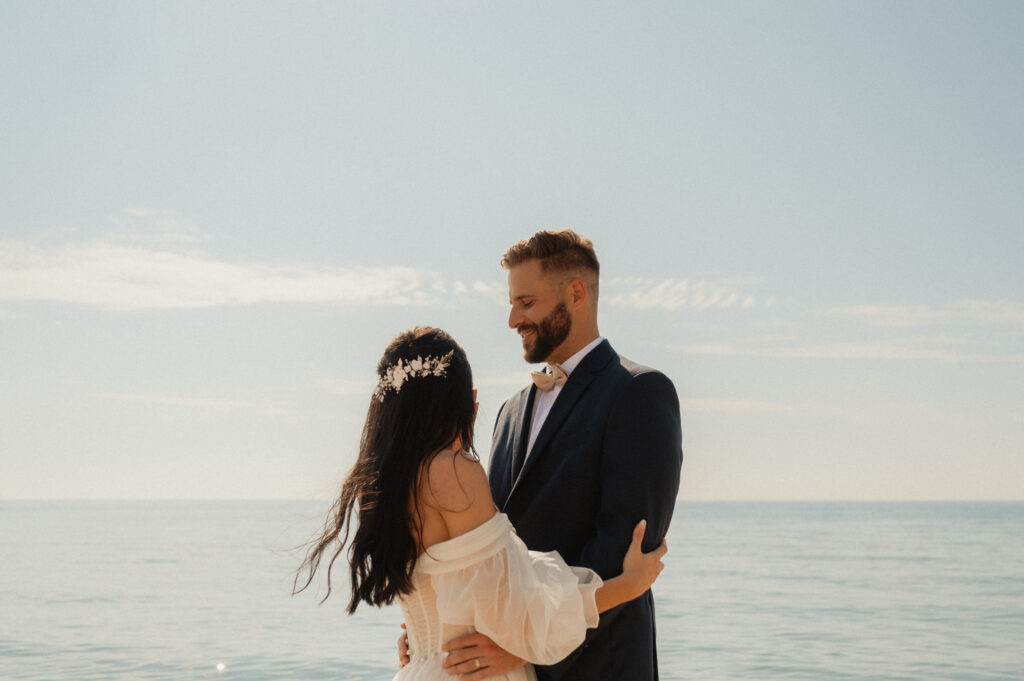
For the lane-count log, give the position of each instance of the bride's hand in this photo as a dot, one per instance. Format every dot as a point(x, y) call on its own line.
point(639, 568)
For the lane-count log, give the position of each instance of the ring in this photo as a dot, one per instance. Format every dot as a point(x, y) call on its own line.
point(476, 660)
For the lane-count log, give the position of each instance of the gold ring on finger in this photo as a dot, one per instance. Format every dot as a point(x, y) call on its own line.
point(477, 661)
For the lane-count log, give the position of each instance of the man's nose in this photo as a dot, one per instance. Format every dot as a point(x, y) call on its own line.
point(513, 318)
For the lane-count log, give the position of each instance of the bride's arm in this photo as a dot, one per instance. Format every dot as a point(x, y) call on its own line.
point(457, 487)
point(639, 571)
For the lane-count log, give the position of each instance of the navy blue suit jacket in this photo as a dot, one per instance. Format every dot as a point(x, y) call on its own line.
point(608, 455)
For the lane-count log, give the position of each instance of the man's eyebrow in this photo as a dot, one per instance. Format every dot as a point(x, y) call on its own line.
point(523, 296)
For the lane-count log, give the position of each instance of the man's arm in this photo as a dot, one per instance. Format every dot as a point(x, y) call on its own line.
point(640, 469)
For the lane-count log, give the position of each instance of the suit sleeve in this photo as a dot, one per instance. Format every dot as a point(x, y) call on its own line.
point(640, 469)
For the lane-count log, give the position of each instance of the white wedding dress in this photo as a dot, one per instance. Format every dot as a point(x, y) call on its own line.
point(531, 604)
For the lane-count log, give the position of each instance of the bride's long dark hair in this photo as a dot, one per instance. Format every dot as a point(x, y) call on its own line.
point(404, 430)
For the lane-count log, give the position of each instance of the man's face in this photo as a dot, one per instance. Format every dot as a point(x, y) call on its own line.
point(538, 312)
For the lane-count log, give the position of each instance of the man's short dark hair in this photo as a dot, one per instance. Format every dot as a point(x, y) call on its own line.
point(563, 251)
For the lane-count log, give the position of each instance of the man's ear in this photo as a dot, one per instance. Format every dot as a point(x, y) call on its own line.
point(578, 293)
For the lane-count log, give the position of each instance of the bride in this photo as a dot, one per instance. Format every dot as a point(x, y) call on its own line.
point(417, 514)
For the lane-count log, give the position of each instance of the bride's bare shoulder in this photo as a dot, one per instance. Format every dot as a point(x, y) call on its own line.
point(453, 479)
point(455, 484)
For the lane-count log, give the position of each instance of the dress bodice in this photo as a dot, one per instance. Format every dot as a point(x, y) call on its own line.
point(425, 630)
point(531, 604)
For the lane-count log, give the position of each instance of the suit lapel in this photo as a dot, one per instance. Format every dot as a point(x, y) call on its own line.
point(521, 433)
point(509, 445)
point(580, 379)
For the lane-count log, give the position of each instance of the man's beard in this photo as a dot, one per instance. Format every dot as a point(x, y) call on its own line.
point(548, 335)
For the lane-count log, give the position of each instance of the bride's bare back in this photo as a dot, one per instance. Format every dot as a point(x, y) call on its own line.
point(454, 498)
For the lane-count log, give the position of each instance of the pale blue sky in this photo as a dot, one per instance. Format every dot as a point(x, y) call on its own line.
point(214, 215)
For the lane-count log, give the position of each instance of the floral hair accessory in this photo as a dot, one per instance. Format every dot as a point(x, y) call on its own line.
point(403, 370)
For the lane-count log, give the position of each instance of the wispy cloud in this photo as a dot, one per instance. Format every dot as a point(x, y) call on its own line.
point(960, 331)
point(151, 262)
point(507, 382)
point(873, 414)
point(286, 413)
point(167, 401)
point(882, 350)
point(714, 406)
point(117, 275)
point(988, 312)
point(151, 227)
point(495, 291)
point(499, 382)
point(682, 294)
point(348, 387)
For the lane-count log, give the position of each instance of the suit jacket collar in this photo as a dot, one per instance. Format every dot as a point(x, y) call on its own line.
point(581, 377)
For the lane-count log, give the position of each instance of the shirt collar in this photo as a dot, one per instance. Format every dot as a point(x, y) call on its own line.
point(574, 361)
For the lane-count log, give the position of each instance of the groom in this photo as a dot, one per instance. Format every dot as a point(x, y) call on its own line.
point(579, 458)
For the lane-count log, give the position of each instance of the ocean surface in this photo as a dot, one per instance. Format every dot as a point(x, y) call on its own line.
point(758, 591)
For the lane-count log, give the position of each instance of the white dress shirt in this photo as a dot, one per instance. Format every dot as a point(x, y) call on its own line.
point(543, 401)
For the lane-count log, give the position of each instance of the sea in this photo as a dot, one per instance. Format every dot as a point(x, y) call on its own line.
point(754, 591)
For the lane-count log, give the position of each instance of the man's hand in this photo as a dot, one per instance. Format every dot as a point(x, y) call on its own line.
point(474, 657)
point(403, 648)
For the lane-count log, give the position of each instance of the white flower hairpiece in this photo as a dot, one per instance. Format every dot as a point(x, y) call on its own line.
point(403, 370)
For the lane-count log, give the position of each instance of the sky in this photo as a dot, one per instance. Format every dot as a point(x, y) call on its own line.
point(214, 216)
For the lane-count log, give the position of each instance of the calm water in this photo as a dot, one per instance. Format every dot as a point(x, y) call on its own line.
point(135, 590)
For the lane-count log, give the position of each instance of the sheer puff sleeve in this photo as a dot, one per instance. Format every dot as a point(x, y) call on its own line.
point(531, 604)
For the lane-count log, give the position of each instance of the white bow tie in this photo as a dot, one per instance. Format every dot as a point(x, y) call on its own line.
point(547, 380)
